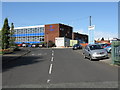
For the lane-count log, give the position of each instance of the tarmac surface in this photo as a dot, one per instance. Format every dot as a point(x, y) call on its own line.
point(58, 68)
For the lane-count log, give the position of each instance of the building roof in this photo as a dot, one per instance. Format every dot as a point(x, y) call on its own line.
point(29, 27)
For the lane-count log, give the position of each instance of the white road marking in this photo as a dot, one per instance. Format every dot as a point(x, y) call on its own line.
point(33, 54)
point(52, 51)
point(52, 59)
point(50, 69)
point(48, 80)
point(52, 54)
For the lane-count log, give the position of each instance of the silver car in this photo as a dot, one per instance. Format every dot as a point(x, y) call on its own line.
point(94, 51)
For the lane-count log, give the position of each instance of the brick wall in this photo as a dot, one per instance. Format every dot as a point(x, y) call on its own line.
point(52, 31)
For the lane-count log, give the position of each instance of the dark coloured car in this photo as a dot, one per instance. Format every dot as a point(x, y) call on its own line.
point(77, 46)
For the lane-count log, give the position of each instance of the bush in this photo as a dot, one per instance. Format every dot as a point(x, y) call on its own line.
point(15, 48)
point(51, 44)
point(6, 51)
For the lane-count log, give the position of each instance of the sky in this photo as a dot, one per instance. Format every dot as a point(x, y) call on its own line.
point(76, 14)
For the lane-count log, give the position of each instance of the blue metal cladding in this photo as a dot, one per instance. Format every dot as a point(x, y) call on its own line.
point(33, 34)
point(32, 42)
point(51, 29)
point(50, 26)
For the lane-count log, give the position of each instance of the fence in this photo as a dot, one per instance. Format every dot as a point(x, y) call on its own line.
point(116, 52)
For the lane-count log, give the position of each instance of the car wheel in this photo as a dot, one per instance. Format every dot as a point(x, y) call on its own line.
point(90, 58)
point(110, 51)
point(84, 56)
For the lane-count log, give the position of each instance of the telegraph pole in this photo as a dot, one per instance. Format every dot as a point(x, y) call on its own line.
point(91, 31)
point(47, 39)
point(90, 20)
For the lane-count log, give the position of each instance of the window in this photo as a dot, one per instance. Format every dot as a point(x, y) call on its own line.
point(93, 47)
point(42, 29)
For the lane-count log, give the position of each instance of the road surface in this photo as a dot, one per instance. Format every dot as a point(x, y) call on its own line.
point(58, 68)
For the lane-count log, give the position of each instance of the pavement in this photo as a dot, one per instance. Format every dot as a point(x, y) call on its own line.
point(15, 55)
point(58, 68)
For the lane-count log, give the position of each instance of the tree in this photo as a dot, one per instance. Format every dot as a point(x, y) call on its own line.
point(102, 39)
point(5, 34)
point(12, 38)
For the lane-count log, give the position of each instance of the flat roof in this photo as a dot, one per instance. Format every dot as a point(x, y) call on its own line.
point(59, 24)
point(29, 27)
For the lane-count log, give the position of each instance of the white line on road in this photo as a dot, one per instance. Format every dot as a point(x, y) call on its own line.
point(52, 59)
point(52, 51)
point(52, 54)
point(33, 54)
point(50, 69)
point(48, 80)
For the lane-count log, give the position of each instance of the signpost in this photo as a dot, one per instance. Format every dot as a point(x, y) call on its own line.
point(91, 33)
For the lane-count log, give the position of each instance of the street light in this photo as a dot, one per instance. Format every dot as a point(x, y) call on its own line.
point(47, 40)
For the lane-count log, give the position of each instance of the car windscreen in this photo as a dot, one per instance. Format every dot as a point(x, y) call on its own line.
point(93, 47)
point(76, 45)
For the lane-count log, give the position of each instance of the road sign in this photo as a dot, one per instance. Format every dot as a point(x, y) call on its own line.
point(91, 27)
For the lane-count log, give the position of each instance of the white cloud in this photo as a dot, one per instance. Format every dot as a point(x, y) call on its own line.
point(99, 34)
point(106, 34)
point(81, 31)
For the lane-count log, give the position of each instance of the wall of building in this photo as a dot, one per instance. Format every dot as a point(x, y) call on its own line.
point(51, 31)
point(31, 34)
point(82, 37)
point(44, 33)
point(66, 31)
point(57, 30)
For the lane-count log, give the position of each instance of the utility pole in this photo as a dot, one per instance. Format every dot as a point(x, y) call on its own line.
point(91, 31)
point(90, 21)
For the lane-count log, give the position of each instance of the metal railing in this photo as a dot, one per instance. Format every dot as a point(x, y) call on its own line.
point(116, 52)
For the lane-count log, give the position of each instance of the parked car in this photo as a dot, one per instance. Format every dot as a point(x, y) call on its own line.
point(33, 45)
point(94, 51)
point(20, 45)
point(105, 45)
point(24, 45)
point(108, 48)
point(77, 46)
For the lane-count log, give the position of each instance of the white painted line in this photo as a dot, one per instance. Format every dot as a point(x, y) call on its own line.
point(48, 80)
point(52, 51)
point(52, 54)
point(50, 70)
point(52, 59)
point(33, 54)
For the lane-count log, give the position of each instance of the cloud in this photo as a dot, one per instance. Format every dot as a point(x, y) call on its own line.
point(99, 34)
point(81, 31)
point(106, 34)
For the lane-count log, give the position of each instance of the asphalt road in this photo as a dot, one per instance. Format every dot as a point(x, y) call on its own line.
point(58, 68)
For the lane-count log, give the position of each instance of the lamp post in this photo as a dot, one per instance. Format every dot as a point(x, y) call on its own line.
point(47, 40)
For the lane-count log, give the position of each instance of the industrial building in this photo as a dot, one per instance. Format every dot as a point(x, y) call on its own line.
point(82, 38)
point(46, 33)
point(57, 30)
point(30, 34)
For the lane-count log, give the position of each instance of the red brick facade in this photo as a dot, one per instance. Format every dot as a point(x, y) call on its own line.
point(57, 30)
